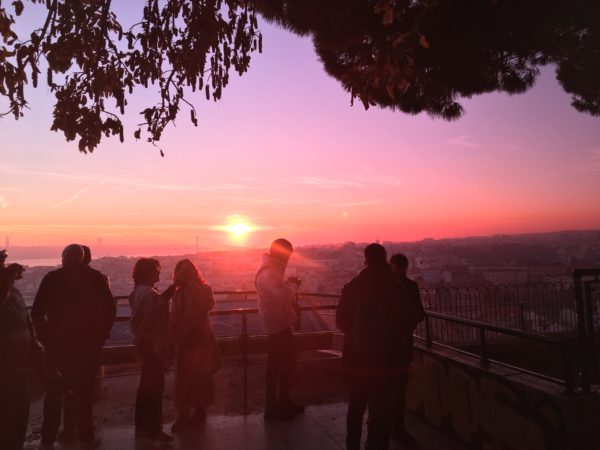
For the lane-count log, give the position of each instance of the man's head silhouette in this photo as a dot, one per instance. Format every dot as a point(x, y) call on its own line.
point(72, 254)
point(281, 249)
point(375, 255)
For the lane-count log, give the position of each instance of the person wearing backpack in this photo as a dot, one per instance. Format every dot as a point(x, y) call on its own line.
point(373, 314)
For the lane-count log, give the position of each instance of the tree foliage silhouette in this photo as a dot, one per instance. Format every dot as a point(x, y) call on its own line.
point(425, 55)
point(90, 59)
point(411, 55)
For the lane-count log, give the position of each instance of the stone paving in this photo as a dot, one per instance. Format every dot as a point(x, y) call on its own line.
point(319, 428)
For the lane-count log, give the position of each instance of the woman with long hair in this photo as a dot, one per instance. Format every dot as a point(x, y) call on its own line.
point(197, 355)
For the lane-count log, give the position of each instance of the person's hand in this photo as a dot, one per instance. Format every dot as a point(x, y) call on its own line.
point(3, 256)
point(294, 280)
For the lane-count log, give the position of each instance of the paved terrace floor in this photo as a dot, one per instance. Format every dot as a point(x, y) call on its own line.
point(319, 428)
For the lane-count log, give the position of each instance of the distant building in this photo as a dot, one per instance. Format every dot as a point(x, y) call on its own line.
point(502, 274)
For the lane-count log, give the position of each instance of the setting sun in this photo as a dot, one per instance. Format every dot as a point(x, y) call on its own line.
point(237, 227)
point(238, 230)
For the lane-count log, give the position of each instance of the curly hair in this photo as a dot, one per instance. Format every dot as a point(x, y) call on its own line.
point(144, 270)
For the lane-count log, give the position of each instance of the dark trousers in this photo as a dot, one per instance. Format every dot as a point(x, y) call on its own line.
point(398, 426)
point(280, 363)
point(149, 400)
point(75, 391)
point(14, 413)
point(376, 394)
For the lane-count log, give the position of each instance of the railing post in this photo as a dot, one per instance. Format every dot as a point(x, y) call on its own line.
point(427, 332)
point(245, 352)
point(567, 361)
point(484, 360)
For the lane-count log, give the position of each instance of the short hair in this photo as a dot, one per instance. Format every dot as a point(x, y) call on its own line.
point(399, 260)
point(87, 255)
point(192, 270)
point(281, 248)
point(144, 269)
point(72, 254)
point(375, 254)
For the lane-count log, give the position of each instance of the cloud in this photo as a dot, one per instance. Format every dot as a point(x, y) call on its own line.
point(351, 181)
point(589, 162)
point(329, 183)
point(131, 184)
point(3, 202)
point(356, 203)
point(464, 141)
point(72, 198)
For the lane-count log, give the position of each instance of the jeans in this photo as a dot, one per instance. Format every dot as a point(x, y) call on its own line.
point(76, 391)
point(149, 400)
point(376, 394)
point(14, 413)
point(280, 363)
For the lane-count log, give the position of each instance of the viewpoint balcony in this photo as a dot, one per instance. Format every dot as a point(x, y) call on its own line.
point(495, 367)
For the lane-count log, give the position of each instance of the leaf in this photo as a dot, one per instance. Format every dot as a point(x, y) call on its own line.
point(388, 16)
point(137, 133)
point(423, 41)
point(18, 4)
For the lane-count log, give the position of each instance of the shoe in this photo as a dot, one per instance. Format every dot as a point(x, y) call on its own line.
point(292, 406)
point(66, 437)
point(199, 417)
point(90, 441)
point(405, 439)
point(278, 415)
point(181, 425)
point(160, 437)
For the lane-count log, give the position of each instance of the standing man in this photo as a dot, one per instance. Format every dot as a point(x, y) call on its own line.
point(279, 313)
point(16, 359)
point(73, 313)
point(399, 264)
point(372, 313)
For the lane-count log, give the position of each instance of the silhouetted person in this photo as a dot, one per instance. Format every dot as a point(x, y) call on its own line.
point(197, 354)
point(73, 313)
point(17, 347)
point(399, 264)
point(278, 312)
point(372, 314)
point(150, 327)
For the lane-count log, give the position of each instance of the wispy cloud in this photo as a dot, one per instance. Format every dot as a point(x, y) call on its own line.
point(3, 202)
point(589, 161)
point(464, 141)
point(329, 183)
point(130, 184)
point(351, 181)
point(72, 198)
point(356, 204)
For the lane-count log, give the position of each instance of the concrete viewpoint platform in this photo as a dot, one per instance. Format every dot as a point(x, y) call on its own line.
point(319, 428)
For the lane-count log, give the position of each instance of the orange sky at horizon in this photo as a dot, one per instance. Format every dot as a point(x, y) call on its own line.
point(284, 155)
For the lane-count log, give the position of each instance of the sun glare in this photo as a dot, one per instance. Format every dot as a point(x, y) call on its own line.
point(237, 228)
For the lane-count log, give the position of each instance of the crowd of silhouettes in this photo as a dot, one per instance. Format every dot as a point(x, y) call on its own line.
point(74, 311)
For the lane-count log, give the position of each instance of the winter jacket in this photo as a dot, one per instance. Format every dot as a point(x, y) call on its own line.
point(276, 297)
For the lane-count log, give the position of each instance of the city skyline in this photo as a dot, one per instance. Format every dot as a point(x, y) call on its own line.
point(284, 154)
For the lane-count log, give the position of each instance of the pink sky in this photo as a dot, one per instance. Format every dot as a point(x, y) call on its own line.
point(285, 152)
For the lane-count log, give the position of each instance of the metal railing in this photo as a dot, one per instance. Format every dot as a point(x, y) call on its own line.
point(546, 308)
point(482, 333)
point(483, 328)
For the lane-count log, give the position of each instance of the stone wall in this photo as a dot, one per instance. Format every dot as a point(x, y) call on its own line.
point(499, 408)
